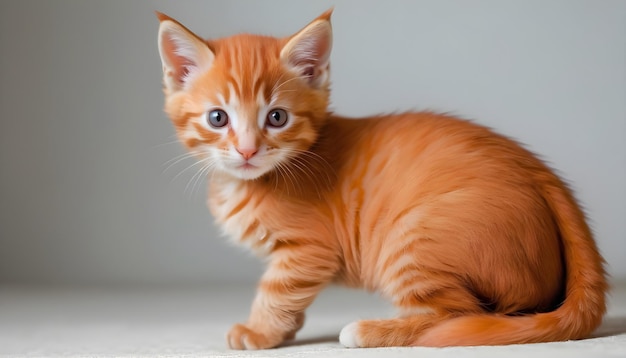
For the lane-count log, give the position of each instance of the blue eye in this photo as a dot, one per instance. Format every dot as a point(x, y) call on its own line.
point(277, 118)
point(217, 118)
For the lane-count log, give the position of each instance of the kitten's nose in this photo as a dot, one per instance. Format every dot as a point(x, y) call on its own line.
point(247, 153)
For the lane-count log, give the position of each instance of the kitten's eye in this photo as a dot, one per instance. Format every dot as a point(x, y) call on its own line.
point(217, 118)
point(277, 118)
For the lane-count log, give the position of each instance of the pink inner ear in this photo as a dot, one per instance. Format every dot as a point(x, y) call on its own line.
point(311, 52)
point(180, 64)
point(306, 59)
point(308, 71)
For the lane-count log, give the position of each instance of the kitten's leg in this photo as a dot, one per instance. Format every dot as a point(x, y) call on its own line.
point(294, 277)
point(419, 312)
point(299, 323)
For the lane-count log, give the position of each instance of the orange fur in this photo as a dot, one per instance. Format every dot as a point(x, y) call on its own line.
point(473, 238)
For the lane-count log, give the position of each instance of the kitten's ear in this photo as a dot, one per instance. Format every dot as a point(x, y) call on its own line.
point(308, 51)
point(183, 54)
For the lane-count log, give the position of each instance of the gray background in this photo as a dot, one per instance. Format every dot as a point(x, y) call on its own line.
point(84, 194)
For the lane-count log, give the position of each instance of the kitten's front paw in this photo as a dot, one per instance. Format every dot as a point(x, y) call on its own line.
point(349, 336)
point(241, 337)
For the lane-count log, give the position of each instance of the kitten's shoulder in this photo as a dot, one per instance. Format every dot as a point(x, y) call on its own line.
point(405, 121)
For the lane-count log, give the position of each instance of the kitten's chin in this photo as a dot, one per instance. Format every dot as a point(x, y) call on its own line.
point(246, 172)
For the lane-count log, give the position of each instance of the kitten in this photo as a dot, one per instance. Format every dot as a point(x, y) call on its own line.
point(470, 236)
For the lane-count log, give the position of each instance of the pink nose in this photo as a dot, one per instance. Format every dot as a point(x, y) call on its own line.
point(247, 153)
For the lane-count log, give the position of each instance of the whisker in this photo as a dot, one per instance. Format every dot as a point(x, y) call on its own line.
point(315, 157)
point(298, 159)
point(296, 164)
point(275, 177)
point(205, 170)
point(197, 175)
point(189, 167)
point(164, 144)
point(318, 158)
point(213, 172)
point(177, 159)
point(285, 90)
point(289, 176)
point(286, 81)
point(300, 164)
point(210, 168)
point(279, 168)
point(292, 178)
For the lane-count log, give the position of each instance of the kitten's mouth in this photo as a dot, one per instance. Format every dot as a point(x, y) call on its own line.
point(247, 171)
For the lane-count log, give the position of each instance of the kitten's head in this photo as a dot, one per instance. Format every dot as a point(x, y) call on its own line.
point(247, 103)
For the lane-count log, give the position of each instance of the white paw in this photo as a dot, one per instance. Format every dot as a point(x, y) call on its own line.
point(348, 337)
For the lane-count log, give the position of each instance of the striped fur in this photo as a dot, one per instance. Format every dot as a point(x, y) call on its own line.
point(473, 238)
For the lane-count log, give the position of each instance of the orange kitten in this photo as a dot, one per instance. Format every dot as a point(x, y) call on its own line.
point(471, 237)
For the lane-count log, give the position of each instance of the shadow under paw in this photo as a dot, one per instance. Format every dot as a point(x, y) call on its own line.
point(313, 340)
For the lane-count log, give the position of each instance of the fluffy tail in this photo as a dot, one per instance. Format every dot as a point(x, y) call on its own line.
point(580, 313)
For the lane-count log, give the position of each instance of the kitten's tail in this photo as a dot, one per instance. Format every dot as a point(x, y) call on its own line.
point(576, 318)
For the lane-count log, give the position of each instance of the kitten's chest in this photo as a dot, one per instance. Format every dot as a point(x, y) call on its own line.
point(239, 211)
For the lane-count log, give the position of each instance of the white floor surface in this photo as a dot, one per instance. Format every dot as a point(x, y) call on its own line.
point(192, 322)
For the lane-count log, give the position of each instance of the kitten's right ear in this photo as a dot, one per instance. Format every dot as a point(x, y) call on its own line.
point(183, 54)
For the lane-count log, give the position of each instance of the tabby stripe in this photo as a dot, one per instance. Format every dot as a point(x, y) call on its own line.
point(225, 92)
point(288, 284)
point(402, 264)
point(239, 206)
point(251, 228)
point(403, 214)
point(228, 60)
point(292, 131)
point(182, 120)
point(234, 92)
point(267, 93)
point(258, 85)
point(306, 114)
point(192, 142)
point(406, 246)
point(206, 135)
point(454, 299)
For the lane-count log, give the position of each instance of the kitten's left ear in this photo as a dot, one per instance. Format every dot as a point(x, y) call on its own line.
point(308, 51)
